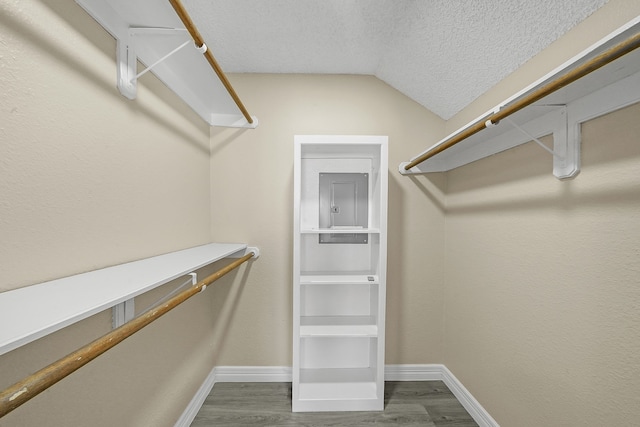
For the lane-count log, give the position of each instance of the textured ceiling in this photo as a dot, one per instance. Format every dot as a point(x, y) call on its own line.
point(441, 53)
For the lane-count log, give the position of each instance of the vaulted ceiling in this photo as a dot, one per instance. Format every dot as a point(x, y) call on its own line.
point(441, 53)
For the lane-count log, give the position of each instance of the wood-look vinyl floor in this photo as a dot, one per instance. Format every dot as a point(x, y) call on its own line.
point(410, 403)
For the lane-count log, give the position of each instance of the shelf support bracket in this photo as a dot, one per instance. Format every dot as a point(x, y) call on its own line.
point(128, 60)
point(150, 67)
point(566, 150)
point(127, 64)
point(248, 250)
point(534, 139)
point(122, 313)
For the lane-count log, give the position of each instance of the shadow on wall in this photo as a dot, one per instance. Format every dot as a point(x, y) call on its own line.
point(414, 269)
point(607, 139)
point(395, 269)
point(225, 296)
point(432, 189)
point(224, 137)
point(89, 29)
point(566, 199)
point(521, 163)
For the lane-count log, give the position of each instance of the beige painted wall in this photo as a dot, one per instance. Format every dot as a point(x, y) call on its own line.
point(252, 187)
point(542, 282)
point(90, 179)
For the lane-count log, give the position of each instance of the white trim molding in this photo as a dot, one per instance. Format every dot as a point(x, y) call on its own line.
point(190, 412)
point(431, 372)
point(426, 372)
point(436, 372)
point(466, 399)
point(253, 374)
point(231, 374)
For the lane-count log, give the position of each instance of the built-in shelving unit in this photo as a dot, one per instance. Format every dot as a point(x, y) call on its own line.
point(339, 285)
point(29, 313)
point(149, 31)
point(561, 113)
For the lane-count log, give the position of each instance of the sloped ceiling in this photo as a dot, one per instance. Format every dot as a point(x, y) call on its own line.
point(441, 53)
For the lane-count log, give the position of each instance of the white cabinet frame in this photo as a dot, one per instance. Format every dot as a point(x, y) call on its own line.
point(339, 289)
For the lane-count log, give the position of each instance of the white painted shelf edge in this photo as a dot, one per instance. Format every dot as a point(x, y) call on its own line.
point(29, 313)
point(339, 331)
point(338, 326)
point(321, 279)
point(340, 230)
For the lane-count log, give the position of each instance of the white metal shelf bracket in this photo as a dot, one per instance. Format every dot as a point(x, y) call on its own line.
point(150, 67)
point(534, 139)
point(122, 313)
point(127, 65)
point(496, 110)
point(565, 152)
point(128, 60)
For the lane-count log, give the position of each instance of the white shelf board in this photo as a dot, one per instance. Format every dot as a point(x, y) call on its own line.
point(503, 136)
point(334, 146)
point(338, 277)
point(340, 230)
point(347, 279)
point(29, 313)
point(186, 72)
point(338, 326)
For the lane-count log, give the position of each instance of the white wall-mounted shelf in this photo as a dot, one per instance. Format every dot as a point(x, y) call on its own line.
point(148, 30)
point(32, 312)
point(560, 114)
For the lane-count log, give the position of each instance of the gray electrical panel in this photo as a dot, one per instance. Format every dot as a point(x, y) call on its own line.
point(344, 205)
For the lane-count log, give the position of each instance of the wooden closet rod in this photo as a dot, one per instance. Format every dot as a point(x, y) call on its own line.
point(195, 34)
point(599, 61)
point(24, 390)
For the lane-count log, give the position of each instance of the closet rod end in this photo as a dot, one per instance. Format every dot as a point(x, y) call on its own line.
point(255, 251)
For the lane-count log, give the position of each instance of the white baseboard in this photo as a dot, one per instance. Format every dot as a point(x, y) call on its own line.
point(231, 374)
point(253, 374)
point(197, 401)
point(466, 399)
point(430, 372)
point(435, 372)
